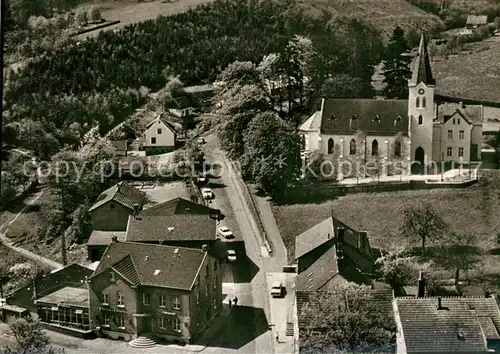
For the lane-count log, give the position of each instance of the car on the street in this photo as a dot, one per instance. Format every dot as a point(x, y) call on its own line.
point(231, 255)
point(201, 140)
point(225, 232)
point(277, 289)
point(207, 193)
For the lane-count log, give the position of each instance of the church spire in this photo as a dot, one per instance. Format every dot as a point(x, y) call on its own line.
point(422, 70)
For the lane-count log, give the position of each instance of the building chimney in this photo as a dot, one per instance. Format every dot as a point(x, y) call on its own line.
point(204, 248)
point(136, 209)
point(421, 286)
point(340, 234)
point(146, 258)
point(440, 304)
point(114, 239)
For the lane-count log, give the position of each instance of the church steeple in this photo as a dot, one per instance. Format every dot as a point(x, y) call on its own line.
point(422, 70)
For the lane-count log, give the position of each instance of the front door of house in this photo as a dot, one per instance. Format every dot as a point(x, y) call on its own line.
point(473, 152)
point(145, 325)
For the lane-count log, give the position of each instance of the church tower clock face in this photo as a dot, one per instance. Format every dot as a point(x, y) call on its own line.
point(421, 91)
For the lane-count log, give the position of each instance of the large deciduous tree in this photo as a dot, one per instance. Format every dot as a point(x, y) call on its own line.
point(272, 153)
point(424, 223)
point(30, 338)
point(342, 86)
point(346, 320)
point(397, 66)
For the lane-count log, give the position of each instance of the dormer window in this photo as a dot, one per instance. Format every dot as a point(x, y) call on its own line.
point(332, 117)
point(399, 119)
point(354, 117)
point(377, 119)
point(111, 276)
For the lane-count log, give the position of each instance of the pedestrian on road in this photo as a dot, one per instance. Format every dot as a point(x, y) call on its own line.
point(230, 303)
point(235, 301)
point(277, 337)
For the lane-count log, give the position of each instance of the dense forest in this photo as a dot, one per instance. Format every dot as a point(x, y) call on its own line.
point(99, 80)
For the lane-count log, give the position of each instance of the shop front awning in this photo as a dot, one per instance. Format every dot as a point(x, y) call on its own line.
point(78, 312)
point(54, 308)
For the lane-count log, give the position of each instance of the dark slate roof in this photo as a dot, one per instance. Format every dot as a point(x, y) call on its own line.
point(178, 206)
point(171, 228)
point(463, 324)
point(422, 71)
point(477, 20)
point(122, 193)
point(472, 113)
point(165, 121)
point(319, 273)
point(373, 117)
point(138, 262)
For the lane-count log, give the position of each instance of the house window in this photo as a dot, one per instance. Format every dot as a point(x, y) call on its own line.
point(163, 322)
point(352, 147)
point(420, 120)
point(418, 102)
point(458, 121)
point(424, 102)
point(146, 299)
point(375, 148)
point(177, 303)
point(449, 151)
point(397, 148)
point(453, 121)
point(111, 276)
point(105, 299)
point(330, 145)
point(158, 130)
point(106, 320)
point(450, 134)
point(153, 140)
point(163, 302)
point(120, 322)
point(460, 152)
point(461, 135)
point(215, 265)
point(177, 325)
point(120, 299)
point(111, 205)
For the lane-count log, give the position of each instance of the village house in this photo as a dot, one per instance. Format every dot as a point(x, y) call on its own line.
point(474, 21)
point(447, 324)
point(153, 291)
point(331, 253)
point(110, 214)
point(159, 136)
point(383, 131)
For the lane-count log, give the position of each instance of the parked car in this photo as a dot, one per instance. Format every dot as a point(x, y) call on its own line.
point(225, 232)
point(277, 289)
point(201, 140)
point(231, 255)
point(207, 193)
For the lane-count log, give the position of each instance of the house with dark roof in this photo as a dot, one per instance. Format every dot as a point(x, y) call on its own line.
point(149, 290)
point(362, 131)
point(160, 135)
point(180, 206)
point(474, 21)
point(331, 253)
point(180, 230)
point(447, 324)
point(110, 214)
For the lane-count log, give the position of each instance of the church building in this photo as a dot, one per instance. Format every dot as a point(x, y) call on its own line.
point(418, 130)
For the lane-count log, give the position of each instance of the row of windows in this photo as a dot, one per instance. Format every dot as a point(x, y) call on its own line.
point(146, 300)
point(424, 102)
point(375, 152)
point(461, 134)
point(449, 151)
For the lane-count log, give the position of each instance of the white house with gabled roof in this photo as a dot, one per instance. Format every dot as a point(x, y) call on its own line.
point(159, 135)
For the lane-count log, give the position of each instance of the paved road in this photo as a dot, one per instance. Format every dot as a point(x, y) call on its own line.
point(4, 228)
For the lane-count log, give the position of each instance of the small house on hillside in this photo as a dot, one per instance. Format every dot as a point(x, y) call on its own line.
point(476, 21)
point(113, 206)
point(121, 147)
point(331, 252)
point(159, 136)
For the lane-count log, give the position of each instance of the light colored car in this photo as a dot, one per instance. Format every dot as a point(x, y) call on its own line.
point(225, 232)
point(231, 255)
point(201, 140)
point(207, 193)
point(277, 289)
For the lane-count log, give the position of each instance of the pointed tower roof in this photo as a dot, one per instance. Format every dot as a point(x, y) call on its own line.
point(422, 70)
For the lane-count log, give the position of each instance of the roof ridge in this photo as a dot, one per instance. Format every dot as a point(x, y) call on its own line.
point(165, 246)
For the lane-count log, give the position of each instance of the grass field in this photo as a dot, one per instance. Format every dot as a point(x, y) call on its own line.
point(474, 209)
point(131, 12)
point(475, 75)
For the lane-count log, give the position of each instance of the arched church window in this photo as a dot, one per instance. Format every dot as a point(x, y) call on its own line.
point(352, 147)
point(424, 102)
point(420, 120)
point(397, 148)
point(375, 148)
point(418, 102)
point(331, 144)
